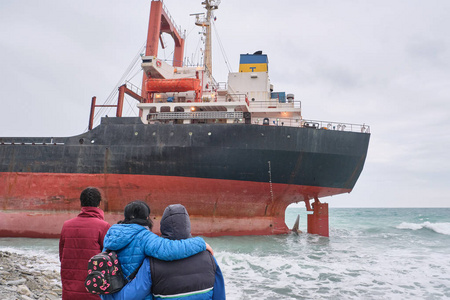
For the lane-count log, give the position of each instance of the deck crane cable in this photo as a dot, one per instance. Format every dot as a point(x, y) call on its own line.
point(136, 61)
point(222, 49)
point(187, 62)
point(131, 106)
point(114, 92)
point(132, 65)
point(131, 102)
point(113, 95)
point(191, 62)
point(194, 57)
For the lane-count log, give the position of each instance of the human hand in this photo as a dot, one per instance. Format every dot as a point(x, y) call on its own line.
point(208, 247)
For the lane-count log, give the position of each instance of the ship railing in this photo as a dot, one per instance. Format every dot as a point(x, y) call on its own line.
point(328, 125)
point(237, 115)
point(133, 88)
point(178, 28)
point(313, 124)
point(236, 98)
point(289, 122)
point(221, 85)
point(274, 103)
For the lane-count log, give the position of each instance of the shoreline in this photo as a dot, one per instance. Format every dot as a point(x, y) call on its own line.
point(22, 277)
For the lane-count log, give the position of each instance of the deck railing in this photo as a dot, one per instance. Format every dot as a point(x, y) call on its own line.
point(313, 124)
point(178, 28)
point(328, 125)
point(133, 88)
point(274, 103)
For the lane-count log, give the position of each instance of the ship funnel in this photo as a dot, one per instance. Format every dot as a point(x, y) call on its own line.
point(290, 98)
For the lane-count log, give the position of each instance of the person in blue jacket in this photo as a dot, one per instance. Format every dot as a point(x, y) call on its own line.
point(133, 240)
point(195, 278)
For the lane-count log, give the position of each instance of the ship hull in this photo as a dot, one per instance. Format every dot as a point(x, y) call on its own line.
point(234, 179)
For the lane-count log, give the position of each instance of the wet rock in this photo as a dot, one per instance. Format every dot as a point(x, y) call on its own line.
point(10, 289)
point(32, 284)
point(52, 297)
point(24, 278)
point(16, 282)
point(23, 290)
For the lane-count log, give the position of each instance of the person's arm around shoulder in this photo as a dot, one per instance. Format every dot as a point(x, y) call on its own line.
point(168, 250)
point(219, 284)
point(138, 288)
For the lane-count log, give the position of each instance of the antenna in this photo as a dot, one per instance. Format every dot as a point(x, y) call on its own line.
point(205, 22)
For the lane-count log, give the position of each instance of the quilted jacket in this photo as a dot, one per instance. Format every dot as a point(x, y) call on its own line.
point(81, 238)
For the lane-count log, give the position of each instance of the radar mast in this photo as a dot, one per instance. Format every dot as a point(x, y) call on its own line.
point(205, 23)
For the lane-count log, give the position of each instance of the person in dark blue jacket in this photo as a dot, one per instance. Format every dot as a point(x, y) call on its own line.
point(133, 241)
point(195, 278)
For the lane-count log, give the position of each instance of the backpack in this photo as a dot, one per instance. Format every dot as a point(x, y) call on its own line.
point(105, 274)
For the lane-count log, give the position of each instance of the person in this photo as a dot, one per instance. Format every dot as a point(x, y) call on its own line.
point(133, 240)
point(198, 277)
point(81, 238)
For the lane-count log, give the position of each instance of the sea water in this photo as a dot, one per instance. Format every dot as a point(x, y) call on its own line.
point(372, 253)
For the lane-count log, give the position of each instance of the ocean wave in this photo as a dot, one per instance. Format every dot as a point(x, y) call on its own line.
point(442, 228)
point(36, 259)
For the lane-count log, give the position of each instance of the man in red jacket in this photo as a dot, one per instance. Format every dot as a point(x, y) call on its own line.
point(81, 238)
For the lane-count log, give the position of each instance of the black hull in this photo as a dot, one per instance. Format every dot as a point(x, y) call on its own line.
point(286, 155)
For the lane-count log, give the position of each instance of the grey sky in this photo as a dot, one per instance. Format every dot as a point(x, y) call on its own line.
point(383, 63)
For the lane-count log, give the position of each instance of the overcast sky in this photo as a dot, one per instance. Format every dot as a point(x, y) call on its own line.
point(382, 63)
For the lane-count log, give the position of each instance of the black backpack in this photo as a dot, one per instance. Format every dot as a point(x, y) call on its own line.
point(105, 275)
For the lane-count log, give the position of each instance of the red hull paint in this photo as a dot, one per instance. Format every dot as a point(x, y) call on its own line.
point(37, 204)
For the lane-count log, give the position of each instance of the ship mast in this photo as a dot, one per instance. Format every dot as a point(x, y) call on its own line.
point(205, 23)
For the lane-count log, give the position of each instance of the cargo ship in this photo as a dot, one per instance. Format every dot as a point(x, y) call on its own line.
point(236, 154)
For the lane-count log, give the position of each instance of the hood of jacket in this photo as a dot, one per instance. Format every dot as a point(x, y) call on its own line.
point(120, 236)
point(175, 223)
point(91, 212)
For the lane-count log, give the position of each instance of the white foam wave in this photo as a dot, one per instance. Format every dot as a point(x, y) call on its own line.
point(39, 259)
point(442, 228)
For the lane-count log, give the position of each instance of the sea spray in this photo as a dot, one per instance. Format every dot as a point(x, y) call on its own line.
point(442, 228)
